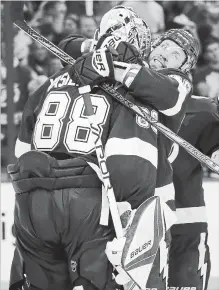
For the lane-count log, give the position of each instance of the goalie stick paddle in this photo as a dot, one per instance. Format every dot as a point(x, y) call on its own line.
point(111, 91)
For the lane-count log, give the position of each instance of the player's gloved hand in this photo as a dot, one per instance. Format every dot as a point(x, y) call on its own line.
point(95, 67)
point(126, 51)
point(129, 62)
point(114, 251)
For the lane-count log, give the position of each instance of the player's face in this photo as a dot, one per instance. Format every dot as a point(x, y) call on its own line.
point(167, 55)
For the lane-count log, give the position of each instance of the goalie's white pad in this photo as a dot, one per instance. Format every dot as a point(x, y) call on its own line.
point(142, 241)
point(136, 253)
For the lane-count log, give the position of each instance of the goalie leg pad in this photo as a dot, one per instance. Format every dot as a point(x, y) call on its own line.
point(142, 241)
point(134, 255)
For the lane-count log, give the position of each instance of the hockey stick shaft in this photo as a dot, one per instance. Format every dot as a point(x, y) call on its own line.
point(102, 164)
point(45, 42)
point(107, 88)
point(163, 129)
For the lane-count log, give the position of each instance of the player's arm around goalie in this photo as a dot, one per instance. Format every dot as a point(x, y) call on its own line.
point(165, 89)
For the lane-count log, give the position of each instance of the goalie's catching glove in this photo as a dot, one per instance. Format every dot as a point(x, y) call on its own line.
point(96, 66)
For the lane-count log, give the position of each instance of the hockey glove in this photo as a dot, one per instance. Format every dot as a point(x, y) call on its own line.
point(126, 51)
point(96, 66)
point(114, 250)
point(129, 62)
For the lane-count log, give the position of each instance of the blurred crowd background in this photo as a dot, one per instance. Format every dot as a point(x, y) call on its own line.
point(33, 64)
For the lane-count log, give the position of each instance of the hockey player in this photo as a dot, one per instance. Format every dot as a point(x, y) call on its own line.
point(60, 243)
point(142, 89)
point(43, 128)
point(189, 253)
point(166, 53)
point(174, 54)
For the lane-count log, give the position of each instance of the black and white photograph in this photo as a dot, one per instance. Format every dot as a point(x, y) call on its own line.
point(109, 145)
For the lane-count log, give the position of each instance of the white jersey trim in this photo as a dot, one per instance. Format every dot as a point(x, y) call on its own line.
point(183, 88)
point(174, 152)
point(215, 156)
point(190, 215)
point(21, 148)
point(166, 192)
point(198, 97)
point(132, 146)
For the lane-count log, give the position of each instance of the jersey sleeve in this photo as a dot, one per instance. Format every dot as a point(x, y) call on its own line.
point(72, 45)
point(166, 90)
point(209, 138)
point(206, 111)
point(131, 151)
point(28, 121)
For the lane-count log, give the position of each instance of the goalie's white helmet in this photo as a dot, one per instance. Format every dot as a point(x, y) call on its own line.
point(186, 41)
point(125, 23)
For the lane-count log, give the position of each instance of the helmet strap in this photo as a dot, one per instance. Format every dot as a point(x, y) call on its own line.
point(182, 49)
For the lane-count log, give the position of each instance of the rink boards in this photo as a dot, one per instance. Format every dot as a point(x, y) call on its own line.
point(7, 239)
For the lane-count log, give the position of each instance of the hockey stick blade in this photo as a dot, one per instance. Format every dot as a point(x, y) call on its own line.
point(110, 90)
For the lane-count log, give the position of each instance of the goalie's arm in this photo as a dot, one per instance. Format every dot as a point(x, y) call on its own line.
point(23, 142)
point(76, 45)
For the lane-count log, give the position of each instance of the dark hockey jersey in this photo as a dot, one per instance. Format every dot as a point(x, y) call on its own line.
point(166, 89)
point(132, 144)
point(200, 128)
point(54, 119)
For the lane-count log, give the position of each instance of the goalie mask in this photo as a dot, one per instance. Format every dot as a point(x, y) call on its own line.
point(189, 44)
point(126, 24)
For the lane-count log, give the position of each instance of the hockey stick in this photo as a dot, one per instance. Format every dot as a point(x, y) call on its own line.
point(16, 15)
point(110, 90)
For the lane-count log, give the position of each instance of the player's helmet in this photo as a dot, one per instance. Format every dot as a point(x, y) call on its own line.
point(125, 23)
point(186, 41)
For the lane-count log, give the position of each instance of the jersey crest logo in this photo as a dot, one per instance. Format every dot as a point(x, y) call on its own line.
point(144, 123)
